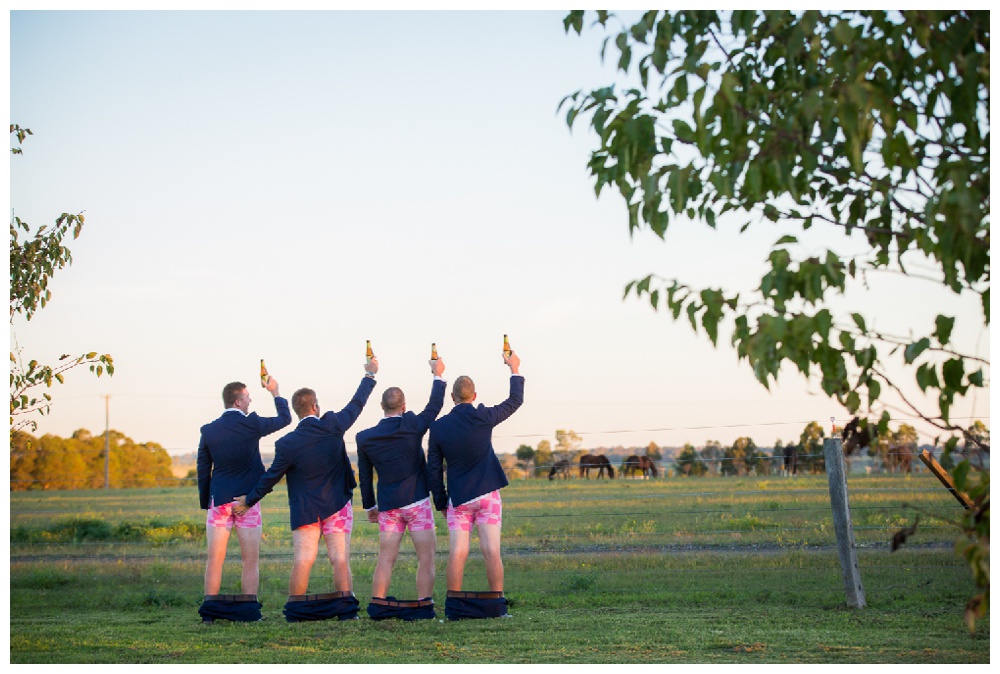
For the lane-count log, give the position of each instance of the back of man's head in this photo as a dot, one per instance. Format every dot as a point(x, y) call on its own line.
point(464, 390)
point(393, 400)
point(231, 393)
point(303, 401)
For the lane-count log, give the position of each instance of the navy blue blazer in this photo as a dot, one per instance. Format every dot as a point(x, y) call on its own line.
point(462, 440)
point(320, 477)
point(229, 462)
point(393, 448)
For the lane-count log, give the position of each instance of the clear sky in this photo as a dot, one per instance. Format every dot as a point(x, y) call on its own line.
point(287, 185)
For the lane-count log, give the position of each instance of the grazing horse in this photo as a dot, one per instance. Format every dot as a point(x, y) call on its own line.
point(600, 462)
point(899, 459)
point(638, 464)
point(560, 467)
point(791, 459)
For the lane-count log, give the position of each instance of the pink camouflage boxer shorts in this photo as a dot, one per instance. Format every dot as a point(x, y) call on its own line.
point(485, 509)
point(340, 522)
point(223, 516)
point(418, 516)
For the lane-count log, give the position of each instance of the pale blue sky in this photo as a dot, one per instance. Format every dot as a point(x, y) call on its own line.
point(287, 185)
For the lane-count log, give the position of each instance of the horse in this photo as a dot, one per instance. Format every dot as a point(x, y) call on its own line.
point(600, 462)
point(639, 464)
point(854, 437)
point(791, 459)
point(899, 459)
point(560, 467)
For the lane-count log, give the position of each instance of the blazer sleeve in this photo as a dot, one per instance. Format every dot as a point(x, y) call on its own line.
point(435, 473)
point(268, 425)
point(502, 412)
point(204, 474)
point(266, 483)
point(347, 416)
point(365, 478)
point(434, 406)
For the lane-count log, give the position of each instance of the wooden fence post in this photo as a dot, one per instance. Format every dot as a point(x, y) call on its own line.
point(846, 549)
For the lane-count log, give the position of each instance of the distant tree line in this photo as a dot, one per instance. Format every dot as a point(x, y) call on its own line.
point(77, 462)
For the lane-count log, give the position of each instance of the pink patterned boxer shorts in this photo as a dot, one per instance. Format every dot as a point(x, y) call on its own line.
point(485, 509)
point(223, 516)
point(340, 522)
point(419, 517)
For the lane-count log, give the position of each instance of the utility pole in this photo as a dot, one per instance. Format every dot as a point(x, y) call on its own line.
point(107, 442)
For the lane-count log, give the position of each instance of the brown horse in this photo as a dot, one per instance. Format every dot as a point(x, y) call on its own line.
point(600, 462)
point(638, 464)
point(560, 467)
point(899, 459)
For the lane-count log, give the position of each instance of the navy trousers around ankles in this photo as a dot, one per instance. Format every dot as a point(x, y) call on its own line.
point(382, 608)
point(242, 608)
point(305, 607)
point(472, 605)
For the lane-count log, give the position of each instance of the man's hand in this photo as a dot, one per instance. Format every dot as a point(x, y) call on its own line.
point(240, 503)
point(371, 367)
point(272, 386)
point(437, 367)
point(373, 515)
point(513, 362)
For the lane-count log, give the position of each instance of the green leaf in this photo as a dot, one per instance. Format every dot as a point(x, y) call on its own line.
point(859, 321)
point(573, 20)
point(853, 402)
point(953, 371)
point(915, 349)
point(874, 391)
point(927, 377)
point(683, 131)
point(943, 328)
point(960, 475)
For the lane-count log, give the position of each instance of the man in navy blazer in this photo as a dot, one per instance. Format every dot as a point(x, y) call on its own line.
point(320, 483)
point(393, 449)
point(462, 439)
point(229, 464)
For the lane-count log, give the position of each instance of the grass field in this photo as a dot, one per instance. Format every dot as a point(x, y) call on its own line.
point(706, 570)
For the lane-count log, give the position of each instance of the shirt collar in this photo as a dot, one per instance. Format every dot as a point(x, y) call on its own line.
point(235, 409)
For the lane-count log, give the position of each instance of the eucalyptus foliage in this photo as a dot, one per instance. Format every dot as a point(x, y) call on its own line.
point(872, 125)
point(34, 257)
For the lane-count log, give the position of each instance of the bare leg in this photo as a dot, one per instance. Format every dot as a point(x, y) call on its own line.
point(250, 552)
point(489, 543)
point(338, 549)
point(425, 543)
point(457, 554)
point(218, 539)
point(388, 551)
point(305, 542)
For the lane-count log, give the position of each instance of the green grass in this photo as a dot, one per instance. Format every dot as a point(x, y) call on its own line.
point(719, 570)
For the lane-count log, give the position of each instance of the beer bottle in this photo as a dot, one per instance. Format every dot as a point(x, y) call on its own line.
point(506, 347)
point(369, 354)
point(264, 377)
point(434, 351)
